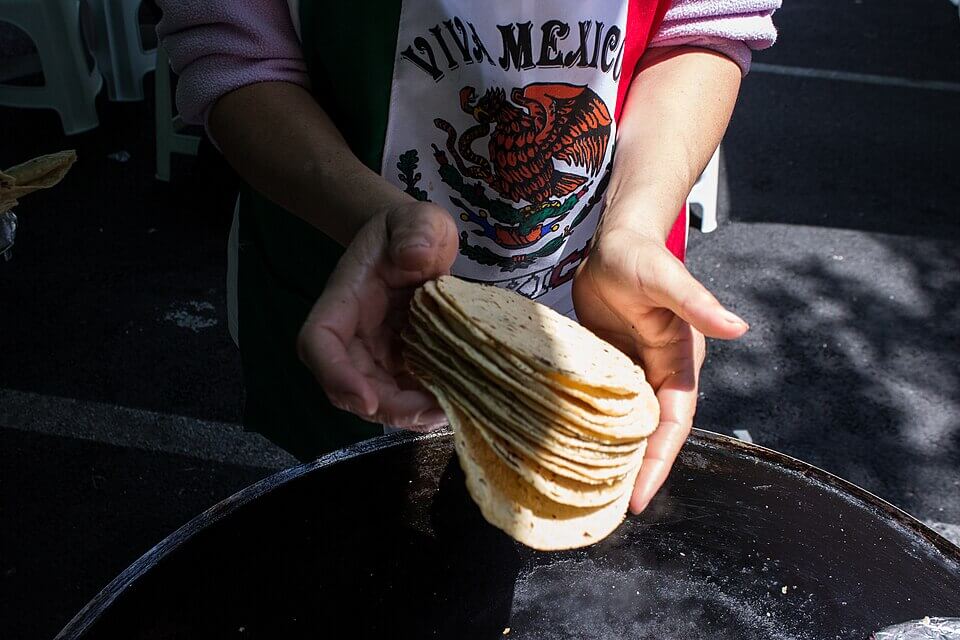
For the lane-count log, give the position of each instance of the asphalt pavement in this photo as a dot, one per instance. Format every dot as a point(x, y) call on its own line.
point(839, 241)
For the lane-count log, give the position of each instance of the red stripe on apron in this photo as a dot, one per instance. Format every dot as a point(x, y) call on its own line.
point(636, 43)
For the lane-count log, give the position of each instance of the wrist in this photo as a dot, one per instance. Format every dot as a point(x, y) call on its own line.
point(345, 194)
point(646, 215)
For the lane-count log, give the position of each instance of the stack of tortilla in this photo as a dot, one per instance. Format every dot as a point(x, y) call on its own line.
point(550, 421)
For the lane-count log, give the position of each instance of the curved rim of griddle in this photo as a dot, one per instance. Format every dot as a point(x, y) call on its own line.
point(92, 611)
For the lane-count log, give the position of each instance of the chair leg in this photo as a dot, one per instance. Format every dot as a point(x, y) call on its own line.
point(103, 46)
point(118, 50)
point(169, 128)
point(712, 187)
point(163, 163)
point(70, 88)
point(74, 86)
point(164, 115)
point(145, 60)
point(126, 16)
point(705, 194)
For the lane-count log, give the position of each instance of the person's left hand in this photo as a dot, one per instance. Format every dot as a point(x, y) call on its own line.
point(632, 292)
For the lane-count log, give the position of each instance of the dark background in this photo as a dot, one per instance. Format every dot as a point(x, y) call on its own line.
point(838, 242)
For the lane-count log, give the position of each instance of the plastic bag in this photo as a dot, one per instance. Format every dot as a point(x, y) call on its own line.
point(8, 232)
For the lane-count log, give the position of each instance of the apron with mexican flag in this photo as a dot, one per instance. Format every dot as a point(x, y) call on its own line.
point(504, 113)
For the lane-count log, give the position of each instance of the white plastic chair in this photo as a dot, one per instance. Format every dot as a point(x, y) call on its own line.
point(170, 128)
point(118, 48)
point(705, 193)
point(69, 87)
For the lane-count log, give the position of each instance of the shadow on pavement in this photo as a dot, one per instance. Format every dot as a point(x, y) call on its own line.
point(853, 370)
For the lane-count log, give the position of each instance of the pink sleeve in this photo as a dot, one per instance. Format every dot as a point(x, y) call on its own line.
point(217, 46)
point(734, 28)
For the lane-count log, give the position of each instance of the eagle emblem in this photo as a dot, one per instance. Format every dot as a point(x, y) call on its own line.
point(539, 126)
point(545, 122)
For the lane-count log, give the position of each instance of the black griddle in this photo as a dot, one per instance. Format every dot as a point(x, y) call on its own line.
point(382, 541)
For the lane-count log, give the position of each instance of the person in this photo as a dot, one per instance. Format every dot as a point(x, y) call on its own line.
point(546, 147)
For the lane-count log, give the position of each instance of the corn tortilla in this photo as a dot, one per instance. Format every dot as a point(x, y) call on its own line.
point(548, 341)
point(520, 510)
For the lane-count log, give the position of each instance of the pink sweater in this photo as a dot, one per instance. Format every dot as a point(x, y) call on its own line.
point(217, 46)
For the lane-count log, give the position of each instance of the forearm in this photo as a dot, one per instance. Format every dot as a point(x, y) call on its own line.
point(282, 143)
point(676, 112)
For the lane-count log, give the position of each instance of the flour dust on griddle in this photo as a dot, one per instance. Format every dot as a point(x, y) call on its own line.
point(577, 598)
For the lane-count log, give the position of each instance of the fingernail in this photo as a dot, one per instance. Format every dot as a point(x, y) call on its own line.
point(417, 243)
point(640, 509)
point(431, 416)
point(733, 318)
point(356, 405)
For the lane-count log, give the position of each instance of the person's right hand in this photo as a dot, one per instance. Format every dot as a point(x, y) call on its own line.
point(351, 339)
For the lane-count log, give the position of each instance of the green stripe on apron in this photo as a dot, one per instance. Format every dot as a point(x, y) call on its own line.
point(283, 261)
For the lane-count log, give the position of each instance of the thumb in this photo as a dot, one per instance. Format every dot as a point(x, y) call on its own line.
point(675, 289)
point(422, 237)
